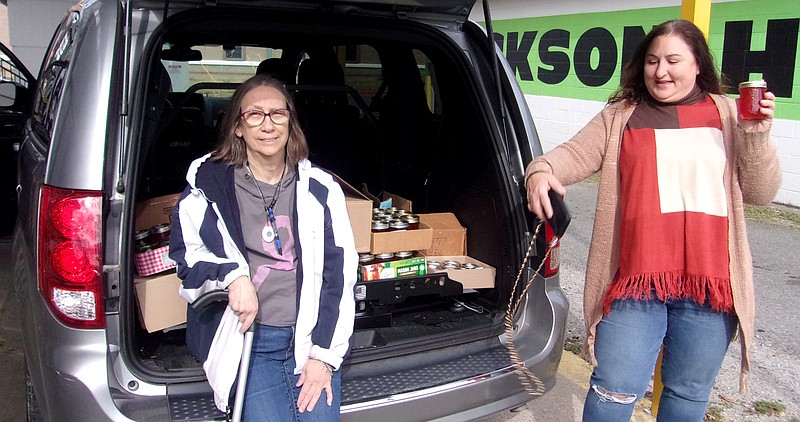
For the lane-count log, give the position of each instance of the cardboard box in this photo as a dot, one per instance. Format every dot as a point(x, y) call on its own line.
point(402, 240)
point(477, 278)
point(449, 237)
point(160, 305)
point(392, 269)
point(397, 201)
point(359, 208)
point(154, 211)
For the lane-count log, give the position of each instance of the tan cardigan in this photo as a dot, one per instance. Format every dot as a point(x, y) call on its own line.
point(752, 176)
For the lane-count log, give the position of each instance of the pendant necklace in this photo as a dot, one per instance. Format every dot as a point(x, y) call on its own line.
point(270, 231)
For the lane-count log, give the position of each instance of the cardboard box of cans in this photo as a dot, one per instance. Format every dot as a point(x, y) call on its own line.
point(471, 273)
point(402, 240)
point(359, 208)
point(448, 237)
point(378, 269)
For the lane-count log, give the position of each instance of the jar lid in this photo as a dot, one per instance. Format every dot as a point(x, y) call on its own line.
point(403, 254)
point(160, 228)
point(379, 225)
point(399, 224)
point(411, 218)
point(385, 255)
point(141, 234)
point(753, 84)
point(365, 257)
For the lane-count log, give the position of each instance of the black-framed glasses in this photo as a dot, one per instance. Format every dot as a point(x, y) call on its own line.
point(253, 118)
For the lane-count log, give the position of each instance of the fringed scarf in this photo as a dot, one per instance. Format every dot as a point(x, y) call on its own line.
point(674, 232)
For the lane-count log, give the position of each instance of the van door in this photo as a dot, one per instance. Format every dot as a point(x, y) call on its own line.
point(16, 96)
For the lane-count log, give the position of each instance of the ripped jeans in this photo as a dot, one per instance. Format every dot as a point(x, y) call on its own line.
point(628, 342)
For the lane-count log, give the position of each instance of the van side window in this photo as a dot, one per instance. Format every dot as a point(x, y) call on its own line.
point(52, 76)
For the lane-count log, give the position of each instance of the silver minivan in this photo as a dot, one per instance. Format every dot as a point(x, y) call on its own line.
point(403, 99)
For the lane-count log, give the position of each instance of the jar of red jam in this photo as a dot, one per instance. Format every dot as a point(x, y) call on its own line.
point(159, 235)
point(750, 95)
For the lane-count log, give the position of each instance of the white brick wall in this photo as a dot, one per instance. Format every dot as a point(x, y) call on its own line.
point(31, 26)
point(558, 119)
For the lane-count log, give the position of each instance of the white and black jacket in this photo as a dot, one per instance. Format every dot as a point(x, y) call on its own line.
point(208, 245)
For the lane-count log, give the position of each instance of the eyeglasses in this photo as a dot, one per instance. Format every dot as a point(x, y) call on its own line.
point(253, 118)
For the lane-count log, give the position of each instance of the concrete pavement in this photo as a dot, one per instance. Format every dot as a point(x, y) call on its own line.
point(12, 358)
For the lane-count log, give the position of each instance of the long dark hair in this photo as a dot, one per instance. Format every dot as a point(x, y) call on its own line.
point(232, 149)
point(632, 86)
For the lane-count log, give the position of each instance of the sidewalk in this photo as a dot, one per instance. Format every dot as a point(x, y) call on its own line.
point(12, 358)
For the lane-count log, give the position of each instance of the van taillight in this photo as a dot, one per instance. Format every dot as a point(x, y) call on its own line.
point(70, 266)
point(553, 261)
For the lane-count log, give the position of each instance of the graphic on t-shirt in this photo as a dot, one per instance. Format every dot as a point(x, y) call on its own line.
point(282, 262)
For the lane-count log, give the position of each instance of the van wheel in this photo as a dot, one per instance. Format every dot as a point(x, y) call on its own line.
point(31, 406)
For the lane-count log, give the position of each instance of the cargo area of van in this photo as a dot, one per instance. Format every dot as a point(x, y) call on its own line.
point(396, 121)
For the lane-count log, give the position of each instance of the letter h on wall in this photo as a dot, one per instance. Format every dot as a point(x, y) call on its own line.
point(775, 63)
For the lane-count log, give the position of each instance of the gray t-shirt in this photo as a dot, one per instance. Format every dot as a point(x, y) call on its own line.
point(274, 275)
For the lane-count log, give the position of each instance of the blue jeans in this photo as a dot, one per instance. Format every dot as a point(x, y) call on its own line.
point(628, 342)
point(271, 393)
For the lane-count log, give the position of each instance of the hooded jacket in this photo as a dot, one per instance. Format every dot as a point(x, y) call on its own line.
point(207, 243)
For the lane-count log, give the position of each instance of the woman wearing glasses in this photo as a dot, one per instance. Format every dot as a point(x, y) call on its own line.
point(260, 221)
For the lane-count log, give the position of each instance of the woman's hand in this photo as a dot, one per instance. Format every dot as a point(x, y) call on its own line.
point(537, 186)
point(767, 109)
point(316, 376)
point(243, 300)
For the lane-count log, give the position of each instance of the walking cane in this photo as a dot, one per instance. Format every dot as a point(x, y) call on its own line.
point(244, 363)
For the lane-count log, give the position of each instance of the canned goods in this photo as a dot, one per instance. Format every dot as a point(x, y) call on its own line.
point(380, 227)
point(384, 257)
point(398, 225)
point(140, 239)
point(451, 265)
point(159, 234)
point(412, 220)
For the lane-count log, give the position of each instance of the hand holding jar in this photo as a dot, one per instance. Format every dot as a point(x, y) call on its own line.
point(756, 106)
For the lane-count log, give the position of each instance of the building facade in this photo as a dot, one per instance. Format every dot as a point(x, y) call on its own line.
point(568, 54)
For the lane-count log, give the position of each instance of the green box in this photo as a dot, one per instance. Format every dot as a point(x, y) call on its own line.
point(393, 269)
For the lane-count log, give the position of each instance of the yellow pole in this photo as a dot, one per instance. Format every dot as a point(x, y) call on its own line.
point(699, 13)
point(658, 386)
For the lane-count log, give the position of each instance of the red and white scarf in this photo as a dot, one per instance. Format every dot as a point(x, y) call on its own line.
point(674, 232)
